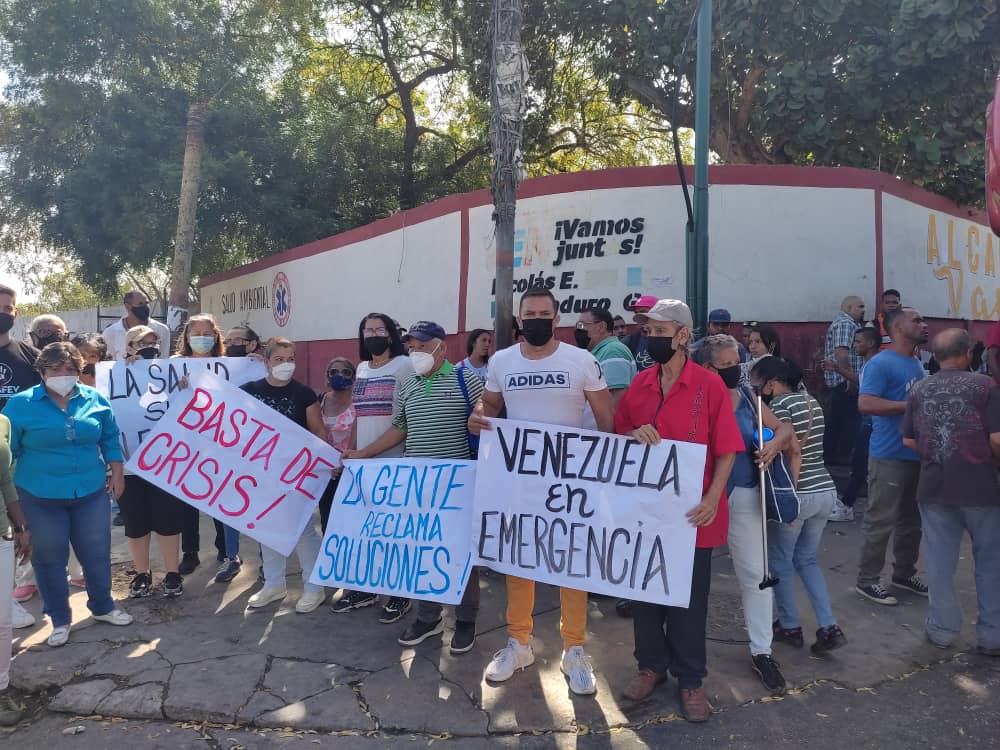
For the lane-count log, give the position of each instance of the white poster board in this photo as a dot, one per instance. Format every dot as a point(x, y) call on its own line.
point(588, 510)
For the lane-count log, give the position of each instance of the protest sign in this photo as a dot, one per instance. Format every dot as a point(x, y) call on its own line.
point(588, 510)
point(223, 452)
point(139, 392)
point(401, 527)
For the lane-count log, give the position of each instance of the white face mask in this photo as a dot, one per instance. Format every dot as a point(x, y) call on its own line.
point(202, 344)
point(423, 362)
point(61, 384)
point(283, 371)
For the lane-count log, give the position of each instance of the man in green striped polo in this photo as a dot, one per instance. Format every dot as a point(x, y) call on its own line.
point(432, 417)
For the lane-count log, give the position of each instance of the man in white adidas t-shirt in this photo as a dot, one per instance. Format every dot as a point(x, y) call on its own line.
point(543, 380)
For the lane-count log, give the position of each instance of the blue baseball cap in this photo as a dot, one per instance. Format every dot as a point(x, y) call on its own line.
point(721, 315)
point(425, 330)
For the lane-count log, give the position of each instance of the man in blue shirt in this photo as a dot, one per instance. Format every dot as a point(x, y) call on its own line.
point(893, 468)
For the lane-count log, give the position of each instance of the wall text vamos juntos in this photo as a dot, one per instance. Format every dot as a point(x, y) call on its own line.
point(588, 510)
point(580, 238)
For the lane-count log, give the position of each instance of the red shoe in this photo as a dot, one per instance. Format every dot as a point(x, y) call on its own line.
point(78, 583)
point(24, 593)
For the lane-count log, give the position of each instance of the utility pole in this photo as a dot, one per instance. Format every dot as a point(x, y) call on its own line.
point(187, 211)
point(508, 80)
point(697, 236)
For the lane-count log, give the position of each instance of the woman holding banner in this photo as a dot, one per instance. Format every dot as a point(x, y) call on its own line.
point(339, 421)
point(384, 366)
point(298, 403)
point(201, 337)
point(63, 436)
point(146, 508)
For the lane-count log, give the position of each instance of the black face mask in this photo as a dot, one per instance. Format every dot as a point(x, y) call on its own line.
point(377, 345)
point(149, 352)
point(141, 312)
point(730, 376)
point(537, 331)
point(90, 369)
point(236, 350)
point(43, 341)
point(766, 398)
point(582, 337)
point(660, 348)
point(6, 322)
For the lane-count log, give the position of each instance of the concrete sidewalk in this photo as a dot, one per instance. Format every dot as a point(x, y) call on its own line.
point(203, 658)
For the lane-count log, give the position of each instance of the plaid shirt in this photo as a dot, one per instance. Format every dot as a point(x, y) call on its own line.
point(840, 334)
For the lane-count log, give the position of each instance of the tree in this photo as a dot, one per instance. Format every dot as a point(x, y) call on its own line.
point(899, 86)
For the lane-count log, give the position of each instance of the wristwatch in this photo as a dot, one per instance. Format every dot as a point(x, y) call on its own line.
point(18, 529)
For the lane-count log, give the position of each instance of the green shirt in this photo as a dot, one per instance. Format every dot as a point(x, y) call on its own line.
point(434, 414)
point(616, 361)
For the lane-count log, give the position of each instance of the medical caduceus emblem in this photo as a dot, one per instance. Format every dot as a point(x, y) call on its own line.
point(281, 299)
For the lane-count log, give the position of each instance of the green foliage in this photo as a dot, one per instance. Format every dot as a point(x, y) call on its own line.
point(900, 86)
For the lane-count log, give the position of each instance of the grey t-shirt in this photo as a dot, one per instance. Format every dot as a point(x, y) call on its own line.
point(951, 415)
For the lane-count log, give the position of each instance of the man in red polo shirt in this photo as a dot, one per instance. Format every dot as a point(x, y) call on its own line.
point(678, 400)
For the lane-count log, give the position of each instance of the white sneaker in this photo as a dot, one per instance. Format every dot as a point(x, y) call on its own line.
point(59, 636)
point(22, 618)
point(265, 596)
point(309, 601)
point(508, 660)
point(576, 665)
point(841, 513)
point(115, 617)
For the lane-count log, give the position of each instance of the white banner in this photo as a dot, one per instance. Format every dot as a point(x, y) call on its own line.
point(401, 527)
point(588, 510)
point(225, 453)
point(139, 393)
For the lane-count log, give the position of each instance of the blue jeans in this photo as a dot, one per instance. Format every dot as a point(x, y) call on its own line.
point(791, 548)
point(943, 530)
point(84, 522)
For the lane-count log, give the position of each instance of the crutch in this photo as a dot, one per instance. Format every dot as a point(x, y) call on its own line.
point(768, 581)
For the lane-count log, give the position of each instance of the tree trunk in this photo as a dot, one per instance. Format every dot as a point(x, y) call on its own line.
point(187, 211)
point(508, 77)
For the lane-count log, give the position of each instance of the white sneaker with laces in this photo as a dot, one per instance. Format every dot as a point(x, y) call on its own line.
point(59, 636)
point(22, 618)
point(115, 617)
point(841, 513)
point(576, 665)
point(508, 660)
point(309, 601)
point(265, 596)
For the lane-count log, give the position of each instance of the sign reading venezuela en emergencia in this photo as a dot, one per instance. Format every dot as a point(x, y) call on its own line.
point(222, 451)
point(588, 510)
point(401, 527)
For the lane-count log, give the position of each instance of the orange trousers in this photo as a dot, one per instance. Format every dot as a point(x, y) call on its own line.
point(521, 603)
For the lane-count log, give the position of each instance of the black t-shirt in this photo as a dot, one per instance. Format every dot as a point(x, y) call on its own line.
point(17, 370)
point(292, 400)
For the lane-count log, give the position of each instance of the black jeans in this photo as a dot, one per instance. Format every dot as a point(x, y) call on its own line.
point(673, 637)
point(326, 502)
point(190, 533)
point(859, 464)
point(841, 423)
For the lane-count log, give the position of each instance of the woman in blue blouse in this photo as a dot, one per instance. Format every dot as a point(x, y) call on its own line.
point(63, 434)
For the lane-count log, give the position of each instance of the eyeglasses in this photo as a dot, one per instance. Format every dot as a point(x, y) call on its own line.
point(381, 331)
point(345, 373)
point(581, 325)
point(237, 342)
point(47, 333)
point(70, 429)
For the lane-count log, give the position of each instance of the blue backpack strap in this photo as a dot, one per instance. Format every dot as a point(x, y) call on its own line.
point(473, 440)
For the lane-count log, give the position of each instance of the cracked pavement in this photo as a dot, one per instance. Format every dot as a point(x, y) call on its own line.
point(201, 669)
